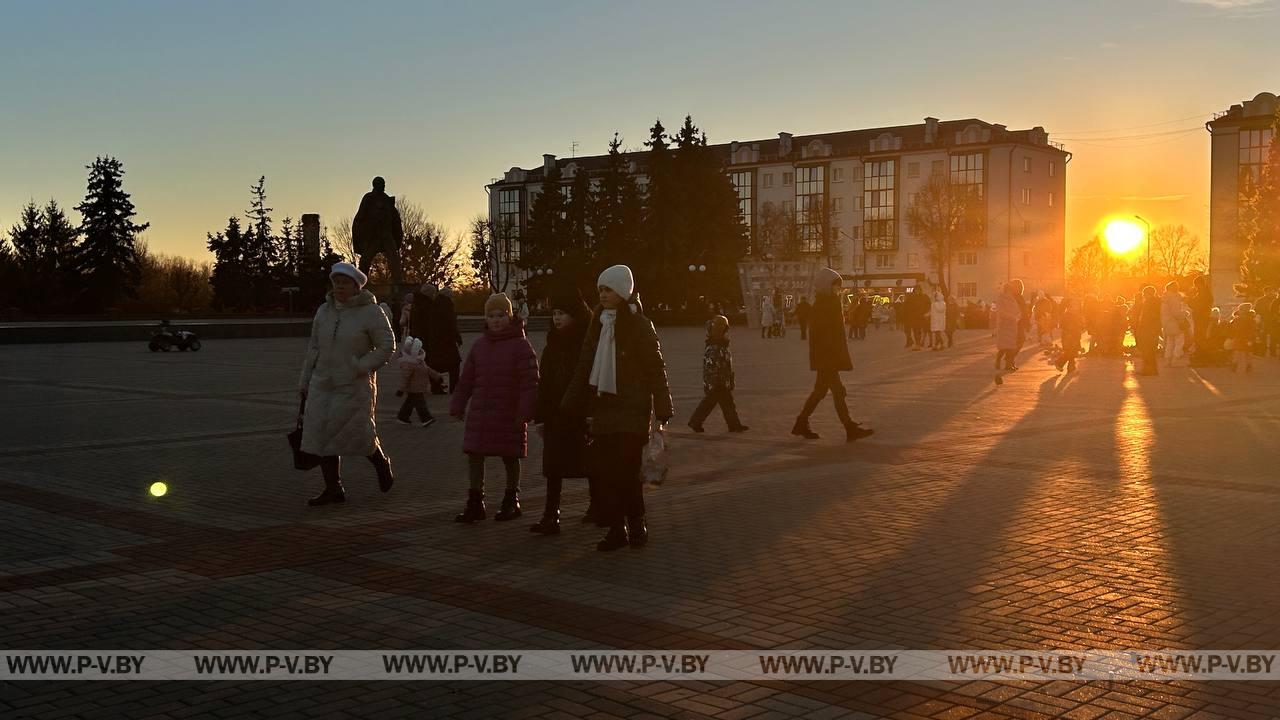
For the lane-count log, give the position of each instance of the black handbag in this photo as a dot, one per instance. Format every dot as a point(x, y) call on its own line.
point(301, 460)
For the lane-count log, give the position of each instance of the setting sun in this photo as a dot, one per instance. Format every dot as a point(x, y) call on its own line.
point(1122, 236)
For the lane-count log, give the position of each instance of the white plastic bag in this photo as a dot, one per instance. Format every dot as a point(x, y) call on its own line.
point(656, 462)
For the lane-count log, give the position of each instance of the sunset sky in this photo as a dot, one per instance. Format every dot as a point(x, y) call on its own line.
point(199, 99)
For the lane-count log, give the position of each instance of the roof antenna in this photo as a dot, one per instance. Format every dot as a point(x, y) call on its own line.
point(573, 148)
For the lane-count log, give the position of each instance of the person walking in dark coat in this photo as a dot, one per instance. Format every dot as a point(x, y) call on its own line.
point(828, 356)
point(717, 379)
point(803, 310)
point(564, 434)
point(621, 384)
point(1072, 328)
point(1146, 329)
point(420, 316)
point(444, 352)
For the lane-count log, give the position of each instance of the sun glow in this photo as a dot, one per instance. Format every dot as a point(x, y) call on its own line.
point(1122, 236)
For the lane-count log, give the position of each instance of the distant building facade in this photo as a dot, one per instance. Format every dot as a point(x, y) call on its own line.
point(867, 179)
point(1239, 138)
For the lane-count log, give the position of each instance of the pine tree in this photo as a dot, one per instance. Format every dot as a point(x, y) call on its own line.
point(106, 258)
point(58, 255)
point(231, 279)
point(578, 242)
point(1260, 224)
point(542, 244)
point(617, 213)
point(27, 236)
point(261, 246)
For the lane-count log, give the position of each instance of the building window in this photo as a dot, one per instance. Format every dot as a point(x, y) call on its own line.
point(566, 192)
point(837, 261)
point(768, 180)
point(811, 214)
point(859, 261)
point(1026, 196)
point(967, 290)
point(1026, 227)
point(967, 257)
point(857, 232)
point(911, 199)
point(786, 179)
point(837, 174)
point(878, 205)
point(969, 171)
point(937, 167)
point(1053, 168)
point(857, 173)
point(1026, 164)
point(913, 261)
point(744, 186)
point(1026, 258)
point(837, 204)
point(788, 206)
point(913, 169)
point(1051, 199)
point(1253, 153)
point(886, 261)
point(509, 224)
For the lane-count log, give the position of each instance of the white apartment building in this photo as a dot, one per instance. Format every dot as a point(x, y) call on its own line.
point(868, 178)
point(1239, 139)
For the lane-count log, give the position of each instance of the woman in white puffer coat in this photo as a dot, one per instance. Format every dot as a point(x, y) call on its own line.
point(938, 318)
point(351, 338)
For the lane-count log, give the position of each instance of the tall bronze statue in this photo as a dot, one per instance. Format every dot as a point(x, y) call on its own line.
point(377, 229)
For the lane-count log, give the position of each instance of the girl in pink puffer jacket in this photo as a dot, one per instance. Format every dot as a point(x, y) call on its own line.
point(415, 382)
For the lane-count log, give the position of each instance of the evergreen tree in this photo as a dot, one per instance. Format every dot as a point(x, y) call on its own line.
point(27, 236)
point(706, 227)
point(107, 259)
point(57, 262)
point(261, 256)
point(232, 278)
point(617, 213)
point(1260, 224)
point(543, 242)
point(289, 251)
point(579, 251)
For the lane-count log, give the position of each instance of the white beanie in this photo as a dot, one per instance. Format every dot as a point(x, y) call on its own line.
point(823, 279)
point(351, 271)
point(618, 279)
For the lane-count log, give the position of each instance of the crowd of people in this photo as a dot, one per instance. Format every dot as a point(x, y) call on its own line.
point(1179, 326)
point(596, 395)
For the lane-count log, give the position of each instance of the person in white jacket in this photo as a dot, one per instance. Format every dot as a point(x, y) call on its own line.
point(938, 319)
point(351, 338)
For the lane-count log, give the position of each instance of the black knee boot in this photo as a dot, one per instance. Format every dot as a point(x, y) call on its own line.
point(550, 522)
point(475, 510)
point(331, 469)
point(382, 464)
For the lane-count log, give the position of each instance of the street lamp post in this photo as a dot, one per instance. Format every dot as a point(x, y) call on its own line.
point(695, 269)
point(1148, 238)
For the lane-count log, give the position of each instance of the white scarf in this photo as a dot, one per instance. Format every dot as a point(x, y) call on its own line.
point(604, 371)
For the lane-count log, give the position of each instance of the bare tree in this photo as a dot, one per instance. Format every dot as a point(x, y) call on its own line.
point(428, 252)
point(1175, 252)
point(947, 217)
point(494, 252)
point(1092, 267)
point(777, 236)
point(339, 236)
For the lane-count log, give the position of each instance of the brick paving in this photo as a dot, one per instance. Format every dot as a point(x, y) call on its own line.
point(1099, 510)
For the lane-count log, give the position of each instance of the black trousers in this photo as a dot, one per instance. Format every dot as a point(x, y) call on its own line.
point(722, 397)
point(804, 330)
point(617, 459)
point(475, 472)
point(414, 401)
point(827, 381)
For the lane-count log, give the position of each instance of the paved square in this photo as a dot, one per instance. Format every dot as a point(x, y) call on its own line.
point(1099, 510)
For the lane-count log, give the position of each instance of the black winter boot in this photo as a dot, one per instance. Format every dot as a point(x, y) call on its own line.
point(550, 522)
point(614, 539)
point(475, 508)
point(802, 429)
point(637, 533)
point(510, 507)
point(382, 464)
point(853, 431)
point(333, 492)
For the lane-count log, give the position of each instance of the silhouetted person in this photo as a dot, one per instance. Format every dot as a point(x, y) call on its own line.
point(828, 357)
point(444, 351)
point(803, 310)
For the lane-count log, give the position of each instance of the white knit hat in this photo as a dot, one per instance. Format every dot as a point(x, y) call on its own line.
point(824, 278)
point(351, 271)
point(618, 279)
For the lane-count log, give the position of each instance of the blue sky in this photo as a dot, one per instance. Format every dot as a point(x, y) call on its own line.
point(198, 99)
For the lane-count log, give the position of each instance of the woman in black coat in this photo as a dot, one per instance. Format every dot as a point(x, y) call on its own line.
point(444, 352)
point(828, 357)
point(564, 434)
